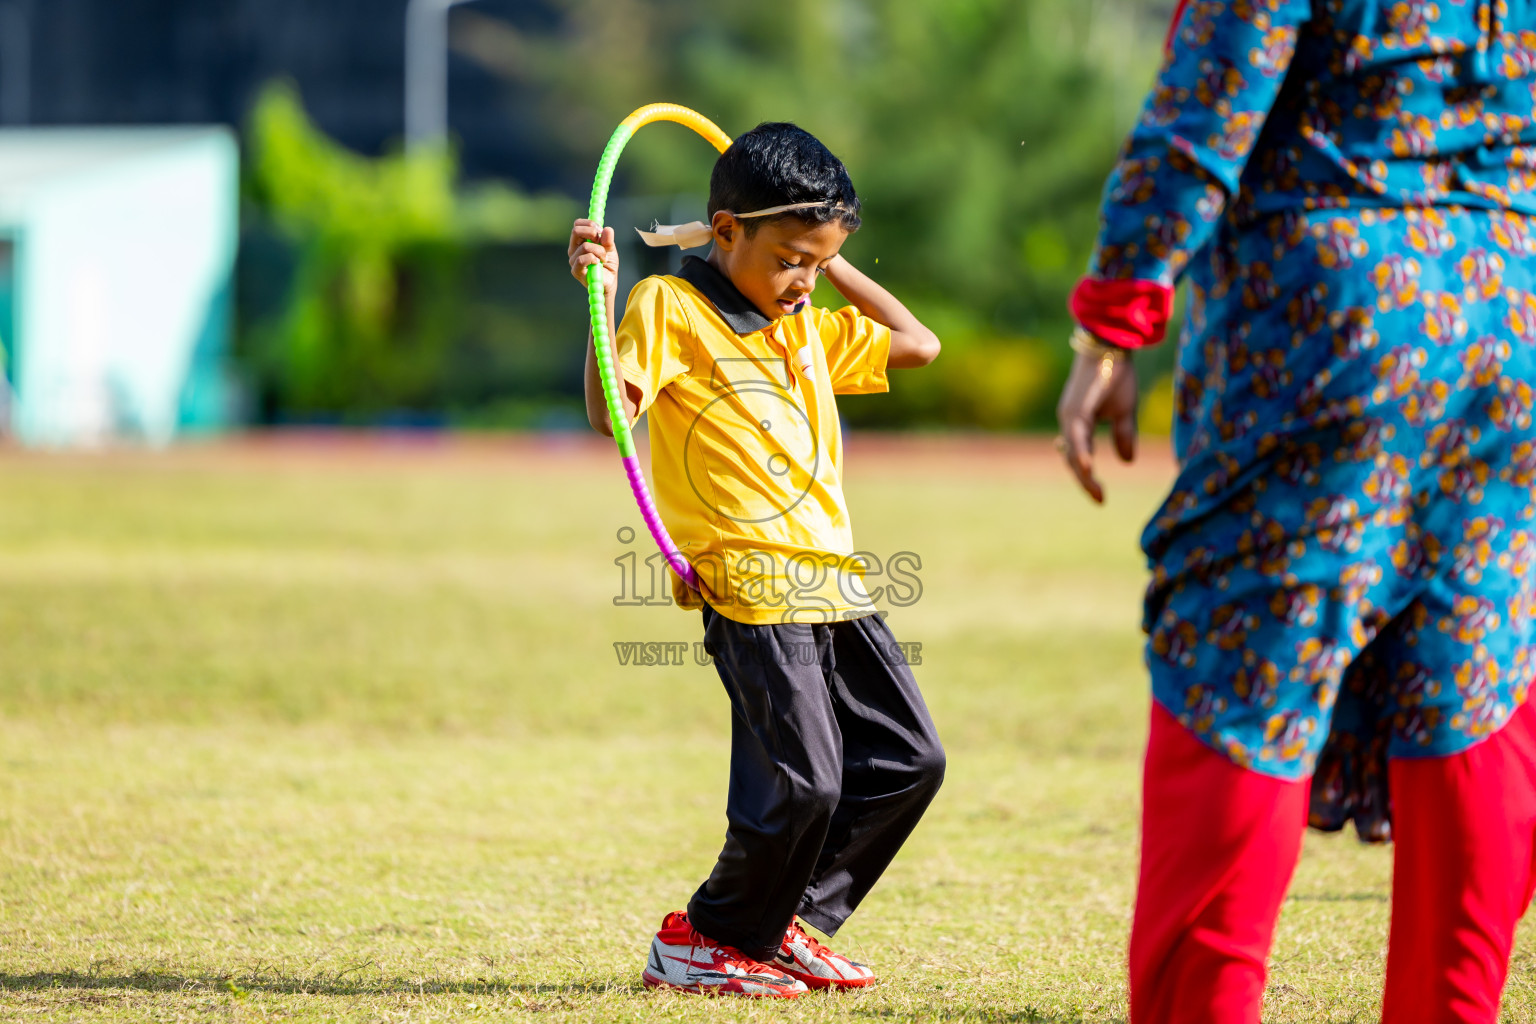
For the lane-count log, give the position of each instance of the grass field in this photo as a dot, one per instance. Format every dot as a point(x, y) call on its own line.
point(317, 731)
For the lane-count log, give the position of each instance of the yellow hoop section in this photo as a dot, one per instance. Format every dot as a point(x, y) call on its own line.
point(653, 112)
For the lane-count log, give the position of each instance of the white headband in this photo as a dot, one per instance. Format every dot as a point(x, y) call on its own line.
point(697, 233)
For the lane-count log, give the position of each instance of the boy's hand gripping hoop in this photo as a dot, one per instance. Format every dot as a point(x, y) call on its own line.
point(597, 304)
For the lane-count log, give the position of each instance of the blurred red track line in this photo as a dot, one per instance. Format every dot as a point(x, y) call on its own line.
point(880, 453)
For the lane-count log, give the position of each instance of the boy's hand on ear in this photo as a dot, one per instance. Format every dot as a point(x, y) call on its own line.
point(590, 246)
point(912, 344)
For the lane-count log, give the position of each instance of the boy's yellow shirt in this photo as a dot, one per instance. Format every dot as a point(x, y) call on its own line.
point(746, 447)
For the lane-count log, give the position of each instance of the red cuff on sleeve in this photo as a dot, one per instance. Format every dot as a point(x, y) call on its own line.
point(1130, 314)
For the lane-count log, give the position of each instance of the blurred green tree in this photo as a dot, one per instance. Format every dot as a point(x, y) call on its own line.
point(373, 306)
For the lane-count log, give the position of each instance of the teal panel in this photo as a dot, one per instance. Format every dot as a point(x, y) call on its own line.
point(123, 286)
point(7, 307)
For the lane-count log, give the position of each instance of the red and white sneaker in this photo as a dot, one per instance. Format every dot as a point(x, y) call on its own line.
point(683, 959)
point(807, 960)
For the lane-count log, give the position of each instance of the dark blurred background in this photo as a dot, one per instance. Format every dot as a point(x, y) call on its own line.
point(377, 284)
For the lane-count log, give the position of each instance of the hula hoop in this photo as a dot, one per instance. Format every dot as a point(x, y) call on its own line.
point(597, 305)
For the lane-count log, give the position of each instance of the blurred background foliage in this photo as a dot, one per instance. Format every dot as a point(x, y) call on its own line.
point(978, 133)
point(367, 266)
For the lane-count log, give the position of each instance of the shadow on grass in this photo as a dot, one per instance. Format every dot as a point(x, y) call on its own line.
point(961, 1012)
point(85, 987)
point(1339, 897)
point(328, 984)
point(93, 987)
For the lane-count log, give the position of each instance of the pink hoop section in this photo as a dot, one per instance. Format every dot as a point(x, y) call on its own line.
point(653, 522)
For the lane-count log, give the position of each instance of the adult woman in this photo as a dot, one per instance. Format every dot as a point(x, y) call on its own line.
point(1344, 575)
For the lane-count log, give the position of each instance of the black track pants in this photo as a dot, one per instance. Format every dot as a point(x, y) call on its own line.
point(833, 761)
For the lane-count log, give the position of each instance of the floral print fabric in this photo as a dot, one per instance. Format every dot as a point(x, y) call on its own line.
point(1344, 569)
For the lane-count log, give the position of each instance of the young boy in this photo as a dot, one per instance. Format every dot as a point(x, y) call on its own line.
point(833, 755)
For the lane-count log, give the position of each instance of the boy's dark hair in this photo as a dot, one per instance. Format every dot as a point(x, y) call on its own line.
point(776, 164)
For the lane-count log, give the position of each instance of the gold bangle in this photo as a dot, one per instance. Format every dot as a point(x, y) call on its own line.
point(1086, 344)
point(1108, 355)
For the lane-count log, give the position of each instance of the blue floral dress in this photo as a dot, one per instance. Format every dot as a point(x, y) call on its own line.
point(1345, 570)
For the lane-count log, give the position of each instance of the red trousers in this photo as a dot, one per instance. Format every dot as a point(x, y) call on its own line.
point(1220, 843)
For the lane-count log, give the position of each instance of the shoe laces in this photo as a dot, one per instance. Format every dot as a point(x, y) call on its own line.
point(730, 954)
point(818, 949)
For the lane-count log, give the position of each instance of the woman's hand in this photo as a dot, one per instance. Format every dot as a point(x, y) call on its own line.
point(589, 246)
point(1099, 390)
